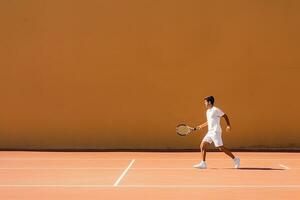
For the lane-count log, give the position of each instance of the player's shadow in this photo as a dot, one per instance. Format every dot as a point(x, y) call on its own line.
point(253, 168)
point(259, 168)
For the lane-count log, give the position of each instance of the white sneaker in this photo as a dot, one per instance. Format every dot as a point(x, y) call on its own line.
point(236, 161)
point(201, 165)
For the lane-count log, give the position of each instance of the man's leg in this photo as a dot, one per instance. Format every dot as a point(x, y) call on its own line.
point(227, 151)
point(203, 148)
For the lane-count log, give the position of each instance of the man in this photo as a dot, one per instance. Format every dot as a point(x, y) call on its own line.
point(214, 134)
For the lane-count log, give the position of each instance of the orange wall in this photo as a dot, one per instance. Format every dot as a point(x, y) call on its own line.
point(123, 73)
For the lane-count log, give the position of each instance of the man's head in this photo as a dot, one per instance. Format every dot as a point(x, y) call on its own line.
point(209, 101)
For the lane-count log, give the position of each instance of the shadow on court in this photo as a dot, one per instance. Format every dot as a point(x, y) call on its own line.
point(259, 168)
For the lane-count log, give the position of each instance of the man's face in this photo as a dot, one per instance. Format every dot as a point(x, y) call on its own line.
point(206, 103)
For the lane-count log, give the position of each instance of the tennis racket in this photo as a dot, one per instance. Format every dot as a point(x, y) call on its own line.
point(184, 130)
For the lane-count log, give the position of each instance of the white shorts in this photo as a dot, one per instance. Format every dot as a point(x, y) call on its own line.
point(215, 137)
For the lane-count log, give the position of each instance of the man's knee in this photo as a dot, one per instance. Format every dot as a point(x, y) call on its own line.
point(221, 148)
point(203, 146)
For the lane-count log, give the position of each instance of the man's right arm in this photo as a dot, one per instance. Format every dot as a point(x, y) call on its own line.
point(201, 126)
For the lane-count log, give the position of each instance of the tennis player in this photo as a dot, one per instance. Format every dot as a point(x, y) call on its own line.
point(214, 134)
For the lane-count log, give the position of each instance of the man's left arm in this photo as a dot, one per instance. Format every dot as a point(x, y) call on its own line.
point(228, 128)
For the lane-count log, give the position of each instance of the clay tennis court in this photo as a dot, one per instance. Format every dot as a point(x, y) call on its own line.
point(114, 175)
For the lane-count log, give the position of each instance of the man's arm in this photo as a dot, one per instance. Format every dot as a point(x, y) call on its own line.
point(228, 128)
point(201, 126)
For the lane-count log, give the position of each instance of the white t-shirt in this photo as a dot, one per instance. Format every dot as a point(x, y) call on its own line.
point(213, 116)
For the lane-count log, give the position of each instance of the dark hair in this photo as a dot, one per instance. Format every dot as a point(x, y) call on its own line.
point(210, 99)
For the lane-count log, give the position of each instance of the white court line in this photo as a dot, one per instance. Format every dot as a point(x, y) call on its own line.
point(284, 166)
point(54, 159)
point(99, 168)
point(157, 186)
point(62, 168)
point(63, 186)
point(211, 186)
point(124, 173)
point(118, 168)
point(117, 159)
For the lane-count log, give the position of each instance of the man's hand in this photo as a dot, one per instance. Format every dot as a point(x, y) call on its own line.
point(200, 127)
point(228, 128)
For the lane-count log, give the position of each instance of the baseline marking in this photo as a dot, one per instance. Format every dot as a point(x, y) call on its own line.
point(62, 168)
point(116, 159)
point(119, 168)
point(159, 186)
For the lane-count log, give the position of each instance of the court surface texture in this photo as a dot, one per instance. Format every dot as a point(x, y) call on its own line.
point(147, 175)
